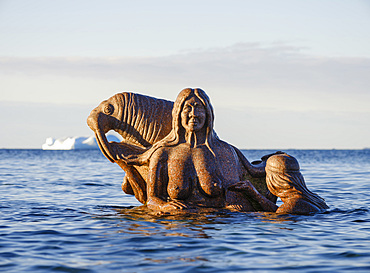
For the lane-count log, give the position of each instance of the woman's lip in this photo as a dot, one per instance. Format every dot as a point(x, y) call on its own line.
point(193, 121)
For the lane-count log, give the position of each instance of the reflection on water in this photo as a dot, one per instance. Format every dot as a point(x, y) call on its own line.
point(276, 218)
point(142, 221)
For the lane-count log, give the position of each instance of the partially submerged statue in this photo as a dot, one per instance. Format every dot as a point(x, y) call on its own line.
point(284, 180)
point(172, 158)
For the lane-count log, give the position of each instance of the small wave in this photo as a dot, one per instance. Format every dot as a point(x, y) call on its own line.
point(59, 268)
point(350, 211)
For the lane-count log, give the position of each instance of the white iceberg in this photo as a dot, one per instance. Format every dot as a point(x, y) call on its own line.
point(74, 143)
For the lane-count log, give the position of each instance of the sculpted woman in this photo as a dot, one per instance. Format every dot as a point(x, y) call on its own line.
point(190, 167)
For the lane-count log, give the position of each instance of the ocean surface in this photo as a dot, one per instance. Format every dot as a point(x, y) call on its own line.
point(64, 211)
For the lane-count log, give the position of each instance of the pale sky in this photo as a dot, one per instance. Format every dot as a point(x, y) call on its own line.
point(280, 74)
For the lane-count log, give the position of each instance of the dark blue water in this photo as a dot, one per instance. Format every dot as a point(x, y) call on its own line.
point(64, 211)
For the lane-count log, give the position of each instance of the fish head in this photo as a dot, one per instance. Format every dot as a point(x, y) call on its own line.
point(105, 117)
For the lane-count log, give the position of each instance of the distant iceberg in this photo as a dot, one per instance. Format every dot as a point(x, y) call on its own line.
point(74, 143)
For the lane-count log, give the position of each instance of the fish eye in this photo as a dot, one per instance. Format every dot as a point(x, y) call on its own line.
point(108, 109)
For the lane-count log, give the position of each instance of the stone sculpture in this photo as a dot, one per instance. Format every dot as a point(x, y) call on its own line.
point(172, 157)
point(141, 121)
point(284, 180)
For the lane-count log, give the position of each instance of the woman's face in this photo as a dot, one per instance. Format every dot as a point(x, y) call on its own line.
point(193, 114)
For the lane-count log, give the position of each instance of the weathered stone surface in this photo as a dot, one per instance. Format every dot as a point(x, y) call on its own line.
point(171, 155)
point(141, 121)
point(284, 180)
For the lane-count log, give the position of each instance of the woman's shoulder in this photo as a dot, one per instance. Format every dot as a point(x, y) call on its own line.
point(227, 151)
point(159, 153)
point(223, 146)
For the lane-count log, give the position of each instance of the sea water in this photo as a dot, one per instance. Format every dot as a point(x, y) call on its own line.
point(64, 211)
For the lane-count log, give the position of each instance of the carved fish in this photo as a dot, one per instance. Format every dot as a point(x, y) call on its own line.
point(140, 120)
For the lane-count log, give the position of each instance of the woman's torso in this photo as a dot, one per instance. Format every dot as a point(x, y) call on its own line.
point(195, 175)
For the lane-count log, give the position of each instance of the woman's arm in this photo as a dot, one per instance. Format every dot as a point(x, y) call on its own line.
point(252, 170)
point(247, 188)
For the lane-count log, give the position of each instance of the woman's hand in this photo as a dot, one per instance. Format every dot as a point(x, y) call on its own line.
point(247, 188)
point(243, 186)
point(158, 204)
point(173, 205)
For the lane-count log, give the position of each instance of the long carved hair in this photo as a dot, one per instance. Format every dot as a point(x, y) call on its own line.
point(284, 179)
point(174, 137)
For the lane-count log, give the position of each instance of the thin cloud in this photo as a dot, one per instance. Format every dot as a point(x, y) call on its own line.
point(246, 64)
point(247, 70)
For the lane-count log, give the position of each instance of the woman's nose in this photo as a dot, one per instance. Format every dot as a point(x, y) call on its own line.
point(193, 112)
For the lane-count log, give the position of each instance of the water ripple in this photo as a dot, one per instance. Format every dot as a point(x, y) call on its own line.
point(65, 212)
